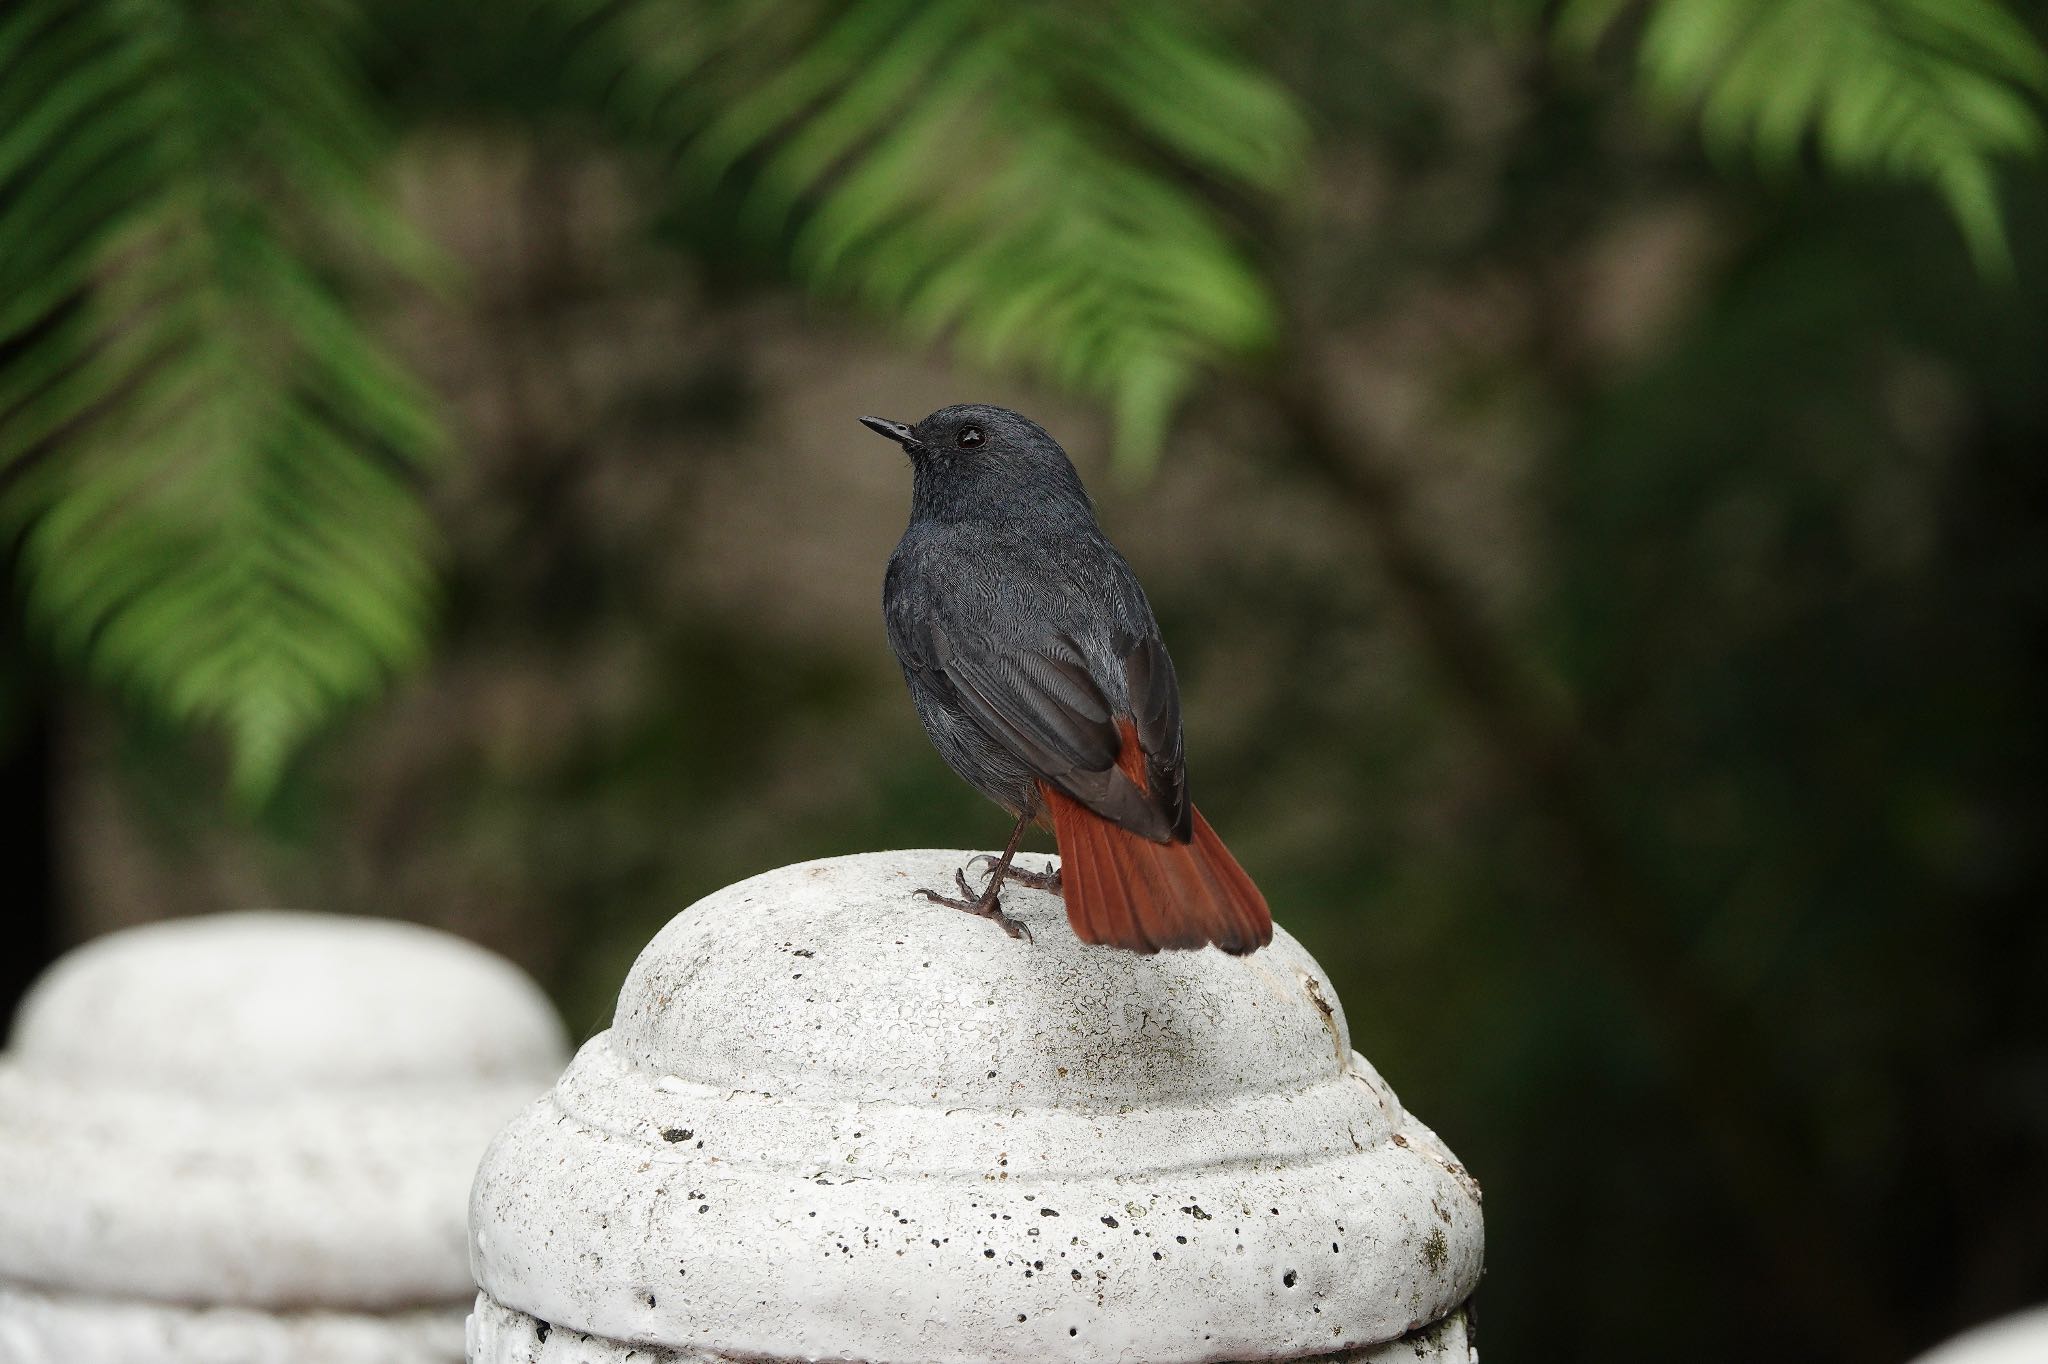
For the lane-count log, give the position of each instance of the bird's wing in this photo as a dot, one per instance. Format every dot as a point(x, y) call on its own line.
point(1045, 705)
point(1155, 716)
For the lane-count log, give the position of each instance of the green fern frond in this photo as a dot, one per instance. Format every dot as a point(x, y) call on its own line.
point(210, 463)
point(1038, 182)
point(1938, 91)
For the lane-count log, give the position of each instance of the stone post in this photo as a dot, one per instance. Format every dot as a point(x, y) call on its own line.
point(2021, 1338)
point(247, 1138)
point(834, 1121)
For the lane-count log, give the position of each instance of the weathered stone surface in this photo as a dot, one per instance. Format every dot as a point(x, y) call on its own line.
point(249, 1136)
point(832, 1120)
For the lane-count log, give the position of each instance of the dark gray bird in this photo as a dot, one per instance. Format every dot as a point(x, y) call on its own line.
point(1038, 671)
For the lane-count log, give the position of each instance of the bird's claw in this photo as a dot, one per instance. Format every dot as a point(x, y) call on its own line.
point(985, 905)
point(1016, 928)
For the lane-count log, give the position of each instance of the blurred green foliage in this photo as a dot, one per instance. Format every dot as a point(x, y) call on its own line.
point(1043, 183)
point(1934, 90)
point(212, 464)
point(217, 516)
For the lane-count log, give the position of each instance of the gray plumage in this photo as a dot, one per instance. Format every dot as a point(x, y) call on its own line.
point(1024, 636)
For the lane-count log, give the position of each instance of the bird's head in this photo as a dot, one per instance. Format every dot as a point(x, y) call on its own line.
point(972, 459)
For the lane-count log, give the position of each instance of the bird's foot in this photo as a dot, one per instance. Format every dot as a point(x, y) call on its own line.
point(987, 905)
point(1049, 879)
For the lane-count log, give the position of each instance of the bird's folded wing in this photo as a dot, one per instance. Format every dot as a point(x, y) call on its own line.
point(1155, 714)
point(1044, 706)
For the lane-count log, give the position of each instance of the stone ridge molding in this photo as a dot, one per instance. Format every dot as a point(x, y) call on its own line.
point(832, 1120)
point(40, 1326)
point(498, 1333)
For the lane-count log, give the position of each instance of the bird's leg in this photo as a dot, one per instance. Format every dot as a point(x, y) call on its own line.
point(1049, 879)
point(989, 903)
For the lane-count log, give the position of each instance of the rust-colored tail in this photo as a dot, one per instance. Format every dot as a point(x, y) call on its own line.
point(1126, 891)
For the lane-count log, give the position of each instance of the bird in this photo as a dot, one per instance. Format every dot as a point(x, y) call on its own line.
point(1037, 668)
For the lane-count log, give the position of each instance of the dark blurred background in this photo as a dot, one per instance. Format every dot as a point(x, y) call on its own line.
point(1609, 590)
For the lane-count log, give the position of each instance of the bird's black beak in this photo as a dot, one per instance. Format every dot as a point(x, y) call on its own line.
point(895, 431)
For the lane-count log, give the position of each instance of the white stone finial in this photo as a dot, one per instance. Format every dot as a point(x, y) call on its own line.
point(832, 1120)
point(246, 1139)
point(2021, 1338)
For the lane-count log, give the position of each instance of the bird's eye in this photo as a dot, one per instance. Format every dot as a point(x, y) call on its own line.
point(970, 436)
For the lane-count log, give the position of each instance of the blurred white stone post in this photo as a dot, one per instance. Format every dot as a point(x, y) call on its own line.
point(248, 1138)
point(2021, 1338)
point(832, 1120)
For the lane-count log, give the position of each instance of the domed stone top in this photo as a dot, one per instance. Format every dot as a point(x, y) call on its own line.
point(261, 1110)
point(834, 1120)
point(267, 1002)
point(832, 981)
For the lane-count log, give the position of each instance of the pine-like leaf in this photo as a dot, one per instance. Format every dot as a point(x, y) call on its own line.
point(1039, 182)
point(1932, 90)
point(210, 463)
